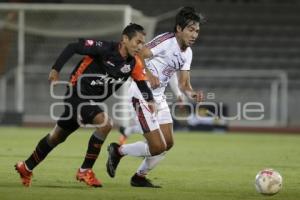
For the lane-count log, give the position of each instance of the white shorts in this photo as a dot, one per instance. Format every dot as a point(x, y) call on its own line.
point(151, 121)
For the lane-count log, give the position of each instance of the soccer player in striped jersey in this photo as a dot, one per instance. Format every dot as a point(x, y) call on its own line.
point(164, 55)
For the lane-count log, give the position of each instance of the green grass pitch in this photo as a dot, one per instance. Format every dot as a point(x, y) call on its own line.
point(200, 166)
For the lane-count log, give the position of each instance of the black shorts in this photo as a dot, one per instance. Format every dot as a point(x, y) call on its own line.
point(77, 110)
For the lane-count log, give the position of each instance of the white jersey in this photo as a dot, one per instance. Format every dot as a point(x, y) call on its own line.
point(167, 59)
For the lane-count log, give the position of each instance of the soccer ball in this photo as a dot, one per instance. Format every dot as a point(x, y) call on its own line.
point(268, 182)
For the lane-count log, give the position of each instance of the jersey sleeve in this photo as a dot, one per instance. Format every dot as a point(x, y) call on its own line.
point(82, 47)
point(139, 76)
point(138, 73)
point(187, 64)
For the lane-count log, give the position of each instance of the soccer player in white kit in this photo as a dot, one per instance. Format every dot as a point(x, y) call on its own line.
point(127, 131)
point(164, 55)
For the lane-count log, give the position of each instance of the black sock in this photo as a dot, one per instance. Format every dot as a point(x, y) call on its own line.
point(92, 152)
point(40, 152)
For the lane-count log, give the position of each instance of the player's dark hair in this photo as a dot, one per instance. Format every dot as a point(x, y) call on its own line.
point(131, 30)
point(186, 15)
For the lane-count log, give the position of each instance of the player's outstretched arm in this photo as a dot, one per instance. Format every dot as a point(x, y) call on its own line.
point(82, 47)
point(175, 88)
point(65, 55)
point(186, 87)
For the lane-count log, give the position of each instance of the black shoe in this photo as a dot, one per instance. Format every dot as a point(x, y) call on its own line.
point(113, 160)
point(140, 181)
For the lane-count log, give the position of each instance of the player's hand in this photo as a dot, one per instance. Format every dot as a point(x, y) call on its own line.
point(153, 80)
point(53, 76)
point(197, 96)
point(152, 106)
point(180, 100)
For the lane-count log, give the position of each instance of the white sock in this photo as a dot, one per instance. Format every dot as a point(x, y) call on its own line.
point(149, 163)
point(137, 149)
point(82, 170)
point(133, 129)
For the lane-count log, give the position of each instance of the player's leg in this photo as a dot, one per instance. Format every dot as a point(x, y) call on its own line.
point(151, 162)
point(166, 128)
point(154, 144)
point(139, 178)
point(93, 115)
point(65, 126)
point(47, 144)
point(165, 121)
point(167, 131)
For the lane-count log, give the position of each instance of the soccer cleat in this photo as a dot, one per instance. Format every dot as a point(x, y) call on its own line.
point(123, 137)
point(113, 159)
point(88, 177)
point(25, 174)
point(141, 181)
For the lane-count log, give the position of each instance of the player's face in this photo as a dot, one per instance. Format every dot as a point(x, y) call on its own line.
point(135, 44)
point(189, 34)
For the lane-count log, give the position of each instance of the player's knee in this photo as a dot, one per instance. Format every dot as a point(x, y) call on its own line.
point(105, 127)
point(109, 124)
point(157, 149)
point(103, 122)
point(170, 144)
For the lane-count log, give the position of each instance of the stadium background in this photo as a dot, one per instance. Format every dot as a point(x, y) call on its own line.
point(247, 52)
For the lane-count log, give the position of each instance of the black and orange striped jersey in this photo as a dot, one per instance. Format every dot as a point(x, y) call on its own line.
point(102, 70)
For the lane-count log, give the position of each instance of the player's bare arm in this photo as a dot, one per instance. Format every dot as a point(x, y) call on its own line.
point(186, 87)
